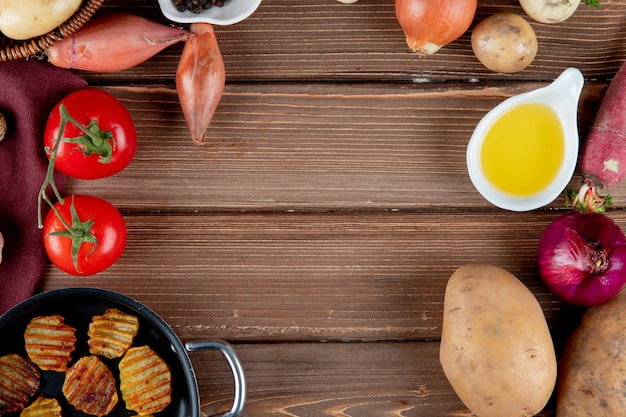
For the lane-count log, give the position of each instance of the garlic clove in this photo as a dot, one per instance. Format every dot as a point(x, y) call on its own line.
point(347, 1)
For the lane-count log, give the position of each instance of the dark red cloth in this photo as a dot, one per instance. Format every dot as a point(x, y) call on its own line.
point(28, 92)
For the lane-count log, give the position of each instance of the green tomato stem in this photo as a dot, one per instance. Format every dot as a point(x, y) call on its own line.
point(94, 140)
point(49, 179)
point(79, 232)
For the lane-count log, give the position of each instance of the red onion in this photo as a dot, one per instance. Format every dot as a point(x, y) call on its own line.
point(582, 258)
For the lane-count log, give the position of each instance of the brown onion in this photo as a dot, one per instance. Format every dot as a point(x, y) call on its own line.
point(430, 24)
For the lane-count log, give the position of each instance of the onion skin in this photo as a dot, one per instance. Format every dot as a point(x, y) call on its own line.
point(430, 24)
point(581, 258)
point(200, 80)
point(113, 42)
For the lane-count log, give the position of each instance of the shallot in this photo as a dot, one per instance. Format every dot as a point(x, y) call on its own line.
point(603, 156)
point(200, 80)
point(113, 42)
point(1, 246)
point(430, 24)
point(582, 258)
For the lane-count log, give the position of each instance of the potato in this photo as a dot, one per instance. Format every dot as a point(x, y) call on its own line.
point(504, 42)
point(25, 19)
point(549, 11)
point(496, 349)
point(591, 372)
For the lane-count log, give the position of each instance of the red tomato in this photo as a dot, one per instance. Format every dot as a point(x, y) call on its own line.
point(107, 150)
point(99, 235)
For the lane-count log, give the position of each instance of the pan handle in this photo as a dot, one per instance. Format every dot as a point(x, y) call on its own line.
point(227, 350)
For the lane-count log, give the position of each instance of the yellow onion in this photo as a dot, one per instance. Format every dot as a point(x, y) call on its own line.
point(431, 24)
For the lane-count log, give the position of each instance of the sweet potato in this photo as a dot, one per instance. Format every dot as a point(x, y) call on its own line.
point(603, 156)
point(591, 370)
point(496, 349)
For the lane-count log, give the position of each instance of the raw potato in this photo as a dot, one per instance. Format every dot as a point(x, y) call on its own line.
point(549, 11)
point(504, 42)
point(591, 371)
point(496, 349)
point(3, 126)
point(25, 19)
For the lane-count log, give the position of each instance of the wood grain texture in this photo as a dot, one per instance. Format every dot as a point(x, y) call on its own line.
point(312, 147)
point(346, 380)
point(318, 228)
point(330, 41)
point(310, 277)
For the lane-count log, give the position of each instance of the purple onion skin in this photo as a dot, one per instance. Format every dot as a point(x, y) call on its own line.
point(582, 258)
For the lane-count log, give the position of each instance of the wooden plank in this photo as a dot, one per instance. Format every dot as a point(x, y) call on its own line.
point(312, 147)
point(286, 40)
point(334, 379)
point(311, 277)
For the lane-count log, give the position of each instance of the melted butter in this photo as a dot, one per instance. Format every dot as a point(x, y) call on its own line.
point(523, 150)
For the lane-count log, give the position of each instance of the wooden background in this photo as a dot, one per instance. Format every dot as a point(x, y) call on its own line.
point(318, 228)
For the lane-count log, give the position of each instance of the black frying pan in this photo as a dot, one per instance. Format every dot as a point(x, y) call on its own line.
point(78, 306)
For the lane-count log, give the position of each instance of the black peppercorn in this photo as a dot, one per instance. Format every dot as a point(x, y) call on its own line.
point(197, 6)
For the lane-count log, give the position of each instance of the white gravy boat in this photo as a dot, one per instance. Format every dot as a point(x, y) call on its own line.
point(562, 96)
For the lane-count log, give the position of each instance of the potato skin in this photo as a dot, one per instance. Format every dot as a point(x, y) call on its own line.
point(504, 42)
point(25, 19)
point(550, 11)
point(592, 370)
point(496, 349)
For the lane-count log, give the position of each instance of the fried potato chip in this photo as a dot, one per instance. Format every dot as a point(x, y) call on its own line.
point(90, 386)
point(111, 334)
point(50, 342)
point(19, 381)
point(145, 381)
point(43, 407)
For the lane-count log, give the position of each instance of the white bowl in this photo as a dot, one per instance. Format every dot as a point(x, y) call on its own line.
point(562, 96)
point(233, 11)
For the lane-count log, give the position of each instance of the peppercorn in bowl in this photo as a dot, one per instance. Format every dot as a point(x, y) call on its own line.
point(216, 12)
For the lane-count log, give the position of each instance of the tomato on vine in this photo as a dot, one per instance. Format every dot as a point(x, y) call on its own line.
point(90, 134)
point(83, 234)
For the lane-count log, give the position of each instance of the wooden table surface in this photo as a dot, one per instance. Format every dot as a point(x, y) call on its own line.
point(318, 228)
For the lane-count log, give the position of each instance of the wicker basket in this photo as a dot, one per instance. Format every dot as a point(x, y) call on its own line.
point(11, 49)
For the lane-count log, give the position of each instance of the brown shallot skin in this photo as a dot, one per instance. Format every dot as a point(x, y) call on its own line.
point(200, 80)
point(113, 42)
